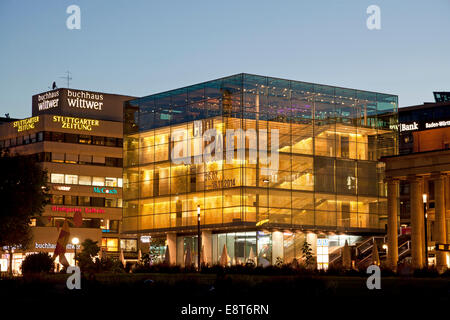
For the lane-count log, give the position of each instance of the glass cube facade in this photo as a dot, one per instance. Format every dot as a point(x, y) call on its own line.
point(327, 175)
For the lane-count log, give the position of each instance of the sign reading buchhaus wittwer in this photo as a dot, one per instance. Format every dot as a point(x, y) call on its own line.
point(268, 163)
point(79, 103)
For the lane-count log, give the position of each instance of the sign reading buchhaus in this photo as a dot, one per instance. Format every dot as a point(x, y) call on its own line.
point(79, 103)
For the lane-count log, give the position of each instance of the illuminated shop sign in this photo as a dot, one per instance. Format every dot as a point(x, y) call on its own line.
point(146, 239)
point(415, 126)
point(25, 124)
point(48, 100)
point(69, 209)
point(437, 124)
point(84, 100)
point(409, 126)
point(47, 245)
point(80, 124)
point(105, 190)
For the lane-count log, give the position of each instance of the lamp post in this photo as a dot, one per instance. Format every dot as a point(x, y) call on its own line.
point(75, 242)
point(198, 236)
point(424, 196)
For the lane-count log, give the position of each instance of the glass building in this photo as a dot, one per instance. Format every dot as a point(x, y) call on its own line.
point(268, 163)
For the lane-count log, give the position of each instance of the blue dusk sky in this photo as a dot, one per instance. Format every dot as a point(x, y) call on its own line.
point(143, 47)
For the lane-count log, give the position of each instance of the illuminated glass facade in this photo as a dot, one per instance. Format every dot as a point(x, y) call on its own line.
point(327, 177)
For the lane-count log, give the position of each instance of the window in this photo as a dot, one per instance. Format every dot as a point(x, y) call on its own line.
point(98, 181)
point(110, 162)
point(84, 139)
point(47, 136)
point(84, 201)
point(110, 203)
point(110, 142)
point(70, 200)
point(71, 179)
point(322, 254)
point(128, 245)
point(111, 182)
point(91, 223)
point(33, 137)
point(57, 178)
point(57, 157)
point(71, 138)
point(57, 199)
point(110, 225)
point(99, 141)
point(113, 203)
point(40, 136)
point(85, 159)
point(98, 160)
point(57, 137)
point(71, 158)
point(110, 244)
point(85, 180)
point(119, 182)
point(97, 202)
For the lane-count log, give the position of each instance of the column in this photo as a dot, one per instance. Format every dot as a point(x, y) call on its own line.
point(417, 223)
point(277, 246)
point(392, 228)
point(180, 251)
point(439, 220)
point(207, 246)
point(172, 245)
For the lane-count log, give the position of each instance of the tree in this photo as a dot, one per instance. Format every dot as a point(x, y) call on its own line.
point(37, 263)
point(23, 194)
point(86, 256)
point(307, 253)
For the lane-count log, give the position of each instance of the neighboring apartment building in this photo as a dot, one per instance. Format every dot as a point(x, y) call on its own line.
point(76, 136)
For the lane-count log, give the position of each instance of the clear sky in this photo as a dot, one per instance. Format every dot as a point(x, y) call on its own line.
point(143, 47)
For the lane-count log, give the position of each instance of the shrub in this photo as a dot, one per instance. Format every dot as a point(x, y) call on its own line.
point(426, 273)
point(37, 263)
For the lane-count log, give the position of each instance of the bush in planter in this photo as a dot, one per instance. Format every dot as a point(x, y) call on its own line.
point(37, 263)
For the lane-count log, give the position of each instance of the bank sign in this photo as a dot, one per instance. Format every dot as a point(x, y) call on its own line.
point(79, 103)
point(425, 125)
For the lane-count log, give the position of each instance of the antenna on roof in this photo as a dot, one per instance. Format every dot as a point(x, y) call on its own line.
point(67, 77)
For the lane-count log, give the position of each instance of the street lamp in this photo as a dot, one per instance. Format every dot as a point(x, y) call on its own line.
point(198, 236)
point(75, 241)
point(424, 196)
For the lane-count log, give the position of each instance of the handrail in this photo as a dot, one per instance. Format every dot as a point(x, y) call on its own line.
point(358, 251)
point(408, 247)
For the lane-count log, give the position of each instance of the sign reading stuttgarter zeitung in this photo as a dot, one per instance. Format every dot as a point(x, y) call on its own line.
point(25, 124)
point(76, 123)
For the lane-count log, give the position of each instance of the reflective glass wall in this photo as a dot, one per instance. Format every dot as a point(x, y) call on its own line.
point(328, 141)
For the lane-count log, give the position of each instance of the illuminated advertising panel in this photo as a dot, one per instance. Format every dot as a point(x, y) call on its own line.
point(80, 103)
point(71, 209)
point(25, 124)
point(80, 124)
